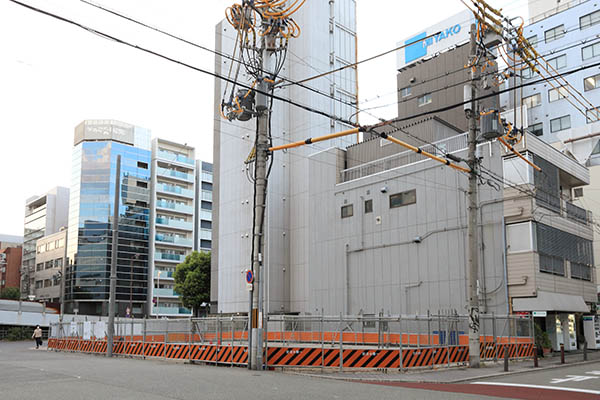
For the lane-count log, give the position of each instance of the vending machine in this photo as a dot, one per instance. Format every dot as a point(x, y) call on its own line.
point(569, 331)
point(591, 330)
point(555, 331)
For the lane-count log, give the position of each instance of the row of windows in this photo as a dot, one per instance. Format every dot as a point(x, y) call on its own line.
point(564, 122)
point(558, 32)
point(52, 245)
point(421, 100)
point(395, 200)
point(556, 266)
point(49, 264)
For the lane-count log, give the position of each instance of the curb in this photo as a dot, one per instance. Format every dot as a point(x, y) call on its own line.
point(494, 375)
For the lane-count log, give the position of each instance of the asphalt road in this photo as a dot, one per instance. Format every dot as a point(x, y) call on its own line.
point(27, 373)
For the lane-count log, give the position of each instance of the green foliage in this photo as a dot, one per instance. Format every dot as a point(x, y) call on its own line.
point(10, 293)
point(541, 338)
point(18, 333)
point(192, 280)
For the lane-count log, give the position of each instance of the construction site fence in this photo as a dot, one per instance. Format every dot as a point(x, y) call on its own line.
point(344, 342)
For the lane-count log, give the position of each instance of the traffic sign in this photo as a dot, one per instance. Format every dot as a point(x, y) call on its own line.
point(249, 276)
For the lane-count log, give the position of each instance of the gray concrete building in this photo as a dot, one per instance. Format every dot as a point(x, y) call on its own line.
point(328, 41)
point(44, 215)
point(432, 74)
point(388, 229)
point(50, 261)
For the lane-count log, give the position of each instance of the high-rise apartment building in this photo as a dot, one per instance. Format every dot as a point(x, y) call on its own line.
point(173, 197)
point(44, 215)
point(328, 41)
point(91, 206)
point(204, 206)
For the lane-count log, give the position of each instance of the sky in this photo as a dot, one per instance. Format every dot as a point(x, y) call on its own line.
point(55, 75)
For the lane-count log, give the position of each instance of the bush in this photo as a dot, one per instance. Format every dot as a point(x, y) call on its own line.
point(10, 293)
point(18, 333)
point(541, 338)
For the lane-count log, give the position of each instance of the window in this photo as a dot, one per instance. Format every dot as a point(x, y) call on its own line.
point(527, 73)
point(58, 262)
point(532, 101)
point(578, 192)
point(533, 40)
point(205, 244)
point(590, 51)
point(424, 100)
point(537, 129)
point(205, 224)
point(559, 124)
point(39, 284)
point(47, 283)
point(368, 206)
point(142, 165)
point(206, 205)
point(61, 243)
point(557, 94)
point(516, 171)
point(403, 199)
point(206, 186)
point(519, 237)
point(552, 265)
point(558, 62)
point(581, 271)
point(41, 249)
point(591, 82)
point(347, 211)
point(554, 33)
point(39, 267)
point(592, 115)
point(589, 20)
point(405, 92)
point(141, 184)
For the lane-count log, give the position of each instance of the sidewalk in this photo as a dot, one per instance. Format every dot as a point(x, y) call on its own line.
point(453, 374)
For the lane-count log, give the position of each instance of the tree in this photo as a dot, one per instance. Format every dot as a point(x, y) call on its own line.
point(10, 293)
point(192, 280)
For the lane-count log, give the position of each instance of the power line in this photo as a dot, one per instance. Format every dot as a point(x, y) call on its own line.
point(194, 44)
point(173, 60)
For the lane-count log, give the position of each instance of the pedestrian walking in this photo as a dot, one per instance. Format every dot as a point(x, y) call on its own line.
point(37, 335)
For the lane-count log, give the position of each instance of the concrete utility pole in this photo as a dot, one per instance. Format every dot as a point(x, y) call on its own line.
point(473, 195)
point(262, 154)
point(113, 263)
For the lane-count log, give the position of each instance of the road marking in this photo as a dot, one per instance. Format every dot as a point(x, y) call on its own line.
point(593, 372)
point(572, 378)
point(537, 387)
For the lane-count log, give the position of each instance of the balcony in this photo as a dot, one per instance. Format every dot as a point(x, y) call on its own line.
point(171, 173)
point(173, 240)
point(171, 311)
point(164, 274)
point(206, 195)
point(577, 213)
point(164, 293)
point(205, 234)
point(171, 205)
point(206, 215)
point(172, 189)
point(564, 208)
point(180, 158)
point(207, 177)
point(174, 223)
point(168, 257)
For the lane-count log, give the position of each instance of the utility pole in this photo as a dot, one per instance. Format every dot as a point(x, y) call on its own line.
point(113, 263)
point(473, 206)
point(262, 154)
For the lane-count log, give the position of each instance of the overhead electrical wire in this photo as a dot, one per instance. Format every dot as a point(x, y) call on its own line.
point(173, 60)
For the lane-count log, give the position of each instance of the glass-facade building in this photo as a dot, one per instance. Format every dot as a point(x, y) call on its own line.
point(91, 205)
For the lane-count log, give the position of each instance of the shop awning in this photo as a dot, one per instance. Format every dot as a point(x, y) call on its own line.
point(546, 301)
